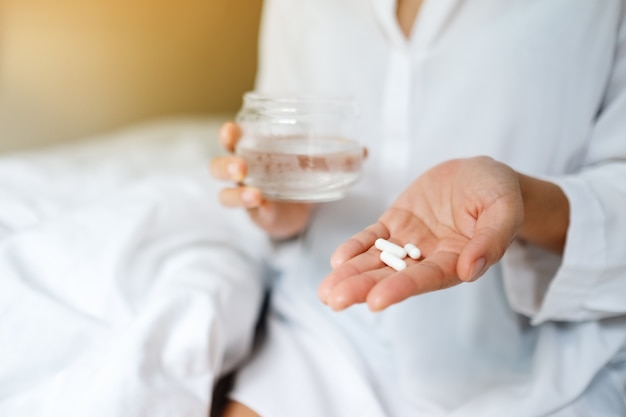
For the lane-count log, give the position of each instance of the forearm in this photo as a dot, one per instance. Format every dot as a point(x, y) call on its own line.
point(546, 214)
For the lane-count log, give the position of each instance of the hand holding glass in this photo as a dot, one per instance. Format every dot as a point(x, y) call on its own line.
point(299, 148)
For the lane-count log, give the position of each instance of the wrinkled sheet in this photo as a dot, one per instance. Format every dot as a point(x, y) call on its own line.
point(125, 288)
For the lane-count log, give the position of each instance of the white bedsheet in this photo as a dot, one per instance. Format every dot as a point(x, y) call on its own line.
point(125, 289)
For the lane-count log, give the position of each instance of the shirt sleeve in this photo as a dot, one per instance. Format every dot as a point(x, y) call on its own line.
point(589, 281)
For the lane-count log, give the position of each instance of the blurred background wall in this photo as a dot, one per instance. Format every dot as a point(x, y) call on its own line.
point(73, 68)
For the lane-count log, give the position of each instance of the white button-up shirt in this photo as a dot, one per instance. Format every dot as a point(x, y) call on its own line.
point(538, 85)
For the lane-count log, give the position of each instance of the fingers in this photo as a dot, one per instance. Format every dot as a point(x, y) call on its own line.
point(484, 250)
point(232, 168)
point(247, 197)
point(358, 243)
point(366, 279)
point(495, 230)
point(228, 168)
point(281, 219)
point(434, 273)
point(228, 135)
point(354, 289)
point(345, 272)
point(357, 268)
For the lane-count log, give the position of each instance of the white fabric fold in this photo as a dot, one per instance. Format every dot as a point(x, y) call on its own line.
point(125, 288)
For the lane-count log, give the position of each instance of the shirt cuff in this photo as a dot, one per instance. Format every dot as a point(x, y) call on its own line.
point(548, 287)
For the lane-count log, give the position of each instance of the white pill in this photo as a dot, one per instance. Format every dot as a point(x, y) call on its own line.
point(413, 251)
point(386, 246)
point(392, 260)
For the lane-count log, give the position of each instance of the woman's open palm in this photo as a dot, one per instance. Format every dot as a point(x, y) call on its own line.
point(462, 214)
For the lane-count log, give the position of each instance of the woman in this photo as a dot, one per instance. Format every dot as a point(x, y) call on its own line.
point(496, 133)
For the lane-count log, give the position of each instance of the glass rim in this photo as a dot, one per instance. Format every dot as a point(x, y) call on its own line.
point(299, 105)
point(297, 97)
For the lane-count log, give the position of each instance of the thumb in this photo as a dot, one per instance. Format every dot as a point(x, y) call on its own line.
point(495, 230)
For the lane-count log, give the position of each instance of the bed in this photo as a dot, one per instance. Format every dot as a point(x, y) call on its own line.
point(125, 288)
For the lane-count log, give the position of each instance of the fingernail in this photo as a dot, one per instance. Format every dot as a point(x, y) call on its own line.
point(375, 305)
point(338, 303)
point(336, 261)
point(322, 294)
point(249, 198)
point(477, 269)
point(234, 170)
point(223, 133)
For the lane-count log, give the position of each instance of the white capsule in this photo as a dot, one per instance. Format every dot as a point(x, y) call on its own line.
point(386, 246)
point(413, 251)
point(392, 260)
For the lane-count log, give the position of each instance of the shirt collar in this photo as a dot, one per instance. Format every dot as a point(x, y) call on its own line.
point(431, 20)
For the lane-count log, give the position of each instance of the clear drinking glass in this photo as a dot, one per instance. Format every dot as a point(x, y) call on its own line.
point(299, 147)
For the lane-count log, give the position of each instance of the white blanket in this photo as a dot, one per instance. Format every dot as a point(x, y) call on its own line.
point(125, 288)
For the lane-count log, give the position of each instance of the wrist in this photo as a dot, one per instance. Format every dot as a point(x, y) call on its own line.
point(546, 213)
